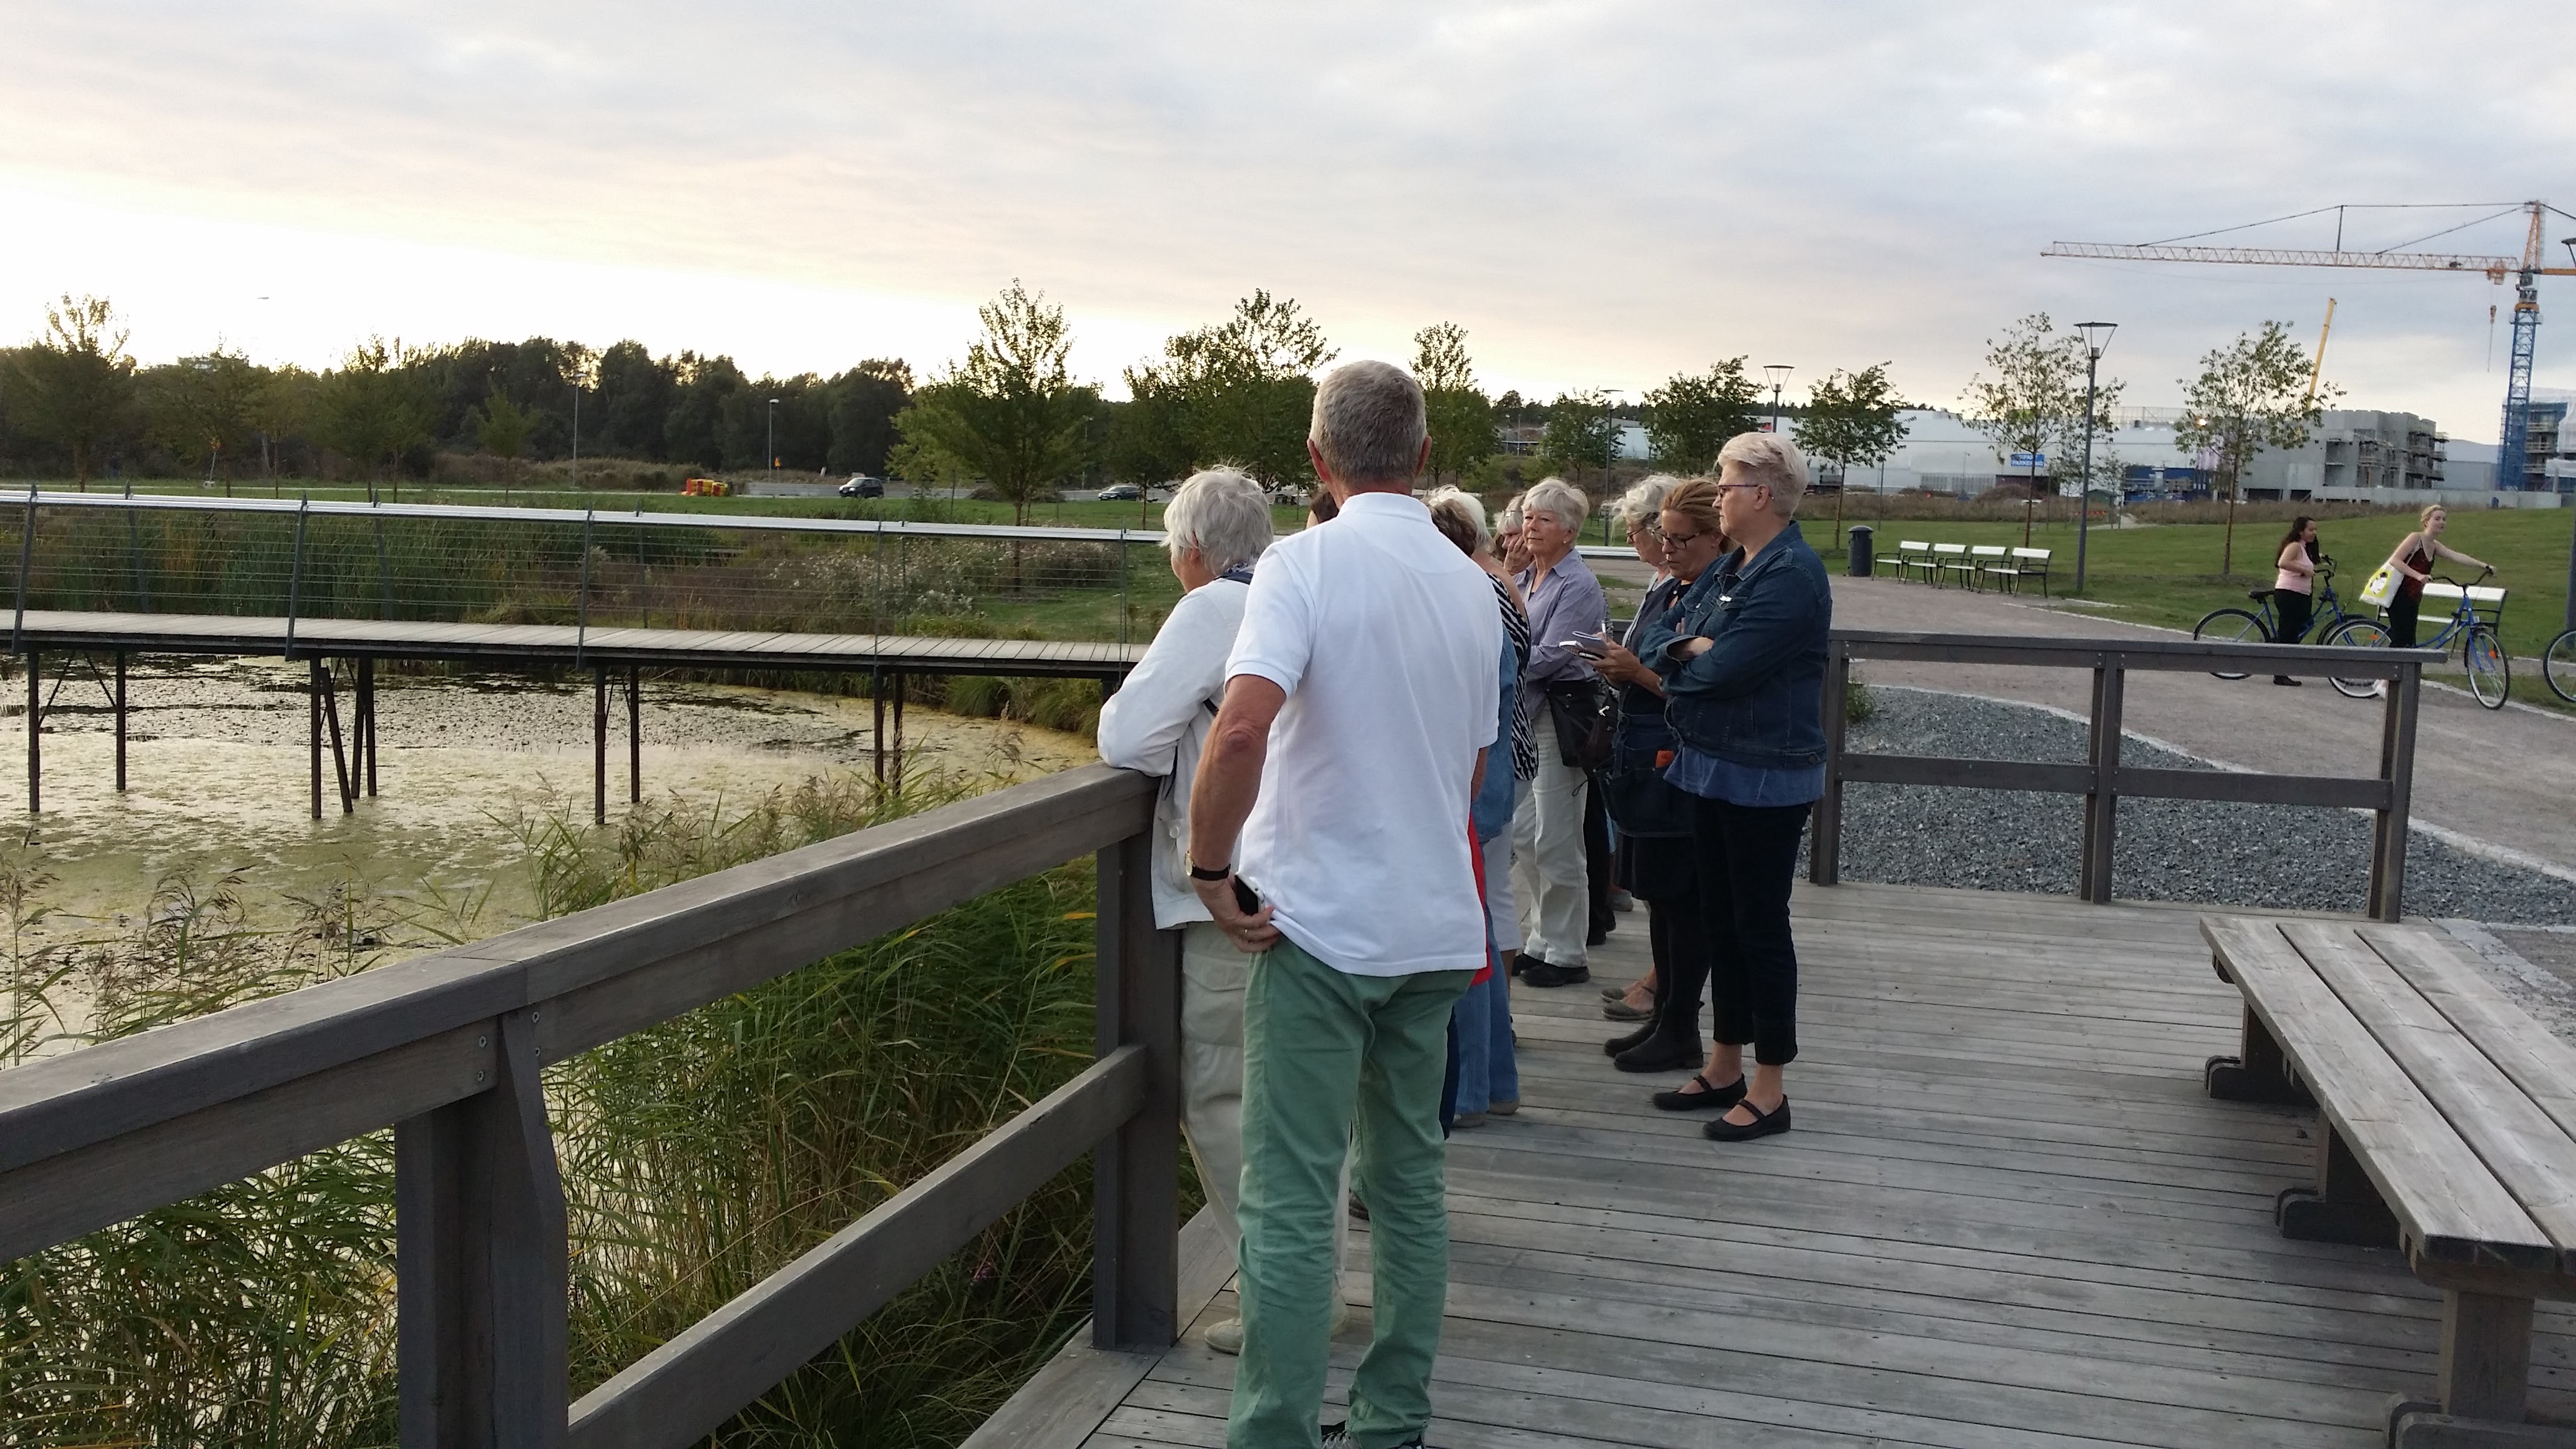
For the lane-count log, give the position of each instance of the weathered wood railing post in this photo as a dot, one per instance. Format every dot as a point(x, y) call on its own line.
point(1825, 850)
point(2397, 767)
point(480, 1254)
point(1135, 1276)
point(2102, 802)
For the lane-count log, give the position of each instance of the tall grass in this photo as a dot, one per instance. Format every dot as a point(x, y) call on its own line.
point(698, 1157)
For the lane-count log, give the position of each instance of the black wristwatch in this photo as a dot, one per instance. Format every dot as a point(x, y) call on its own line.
point(1200, 872)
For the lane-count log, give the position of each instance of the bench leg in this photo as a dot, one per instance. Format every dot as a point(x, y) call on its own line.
point(2342, 1208)
point(2485, 1382)
point(2260, 1074)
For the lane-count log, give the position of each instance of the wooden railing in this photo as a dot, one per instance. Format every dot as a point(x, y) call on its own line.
point(446, 1048)
point(2102, 779)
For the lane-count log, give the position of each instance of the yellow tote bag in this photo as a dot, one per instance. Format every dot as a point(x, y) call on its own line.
point(2381, 588)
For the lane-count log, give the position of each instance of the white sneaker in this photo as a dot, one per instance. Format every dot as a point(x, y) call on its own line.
point(1227, 1337)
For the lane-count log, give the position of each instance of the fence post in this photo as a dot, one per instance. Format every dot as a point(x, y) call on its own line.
point(1123, 607)
point(2397, 767)
point(1135, 1276)
point(295, 574)
point(2102, 802)
point(1825, 851)
point(581, 598)
point(480, 1256)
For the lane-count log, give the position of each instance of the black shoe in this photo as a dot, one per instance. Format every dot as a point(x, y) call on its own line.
point(1709, 1095)
point(2285, 679)
point(1522, 961)
point(1597, 936)
point(1359, 1209)
point(1661, 1054)
point(1621, 1011)
point(1541, 973)
point(1337, 1437)
point(1764, 1124)
point(1618, 1044)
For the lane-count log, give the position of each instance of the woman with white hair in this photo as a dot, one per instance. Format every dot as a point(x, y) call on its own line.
point(1550, 876)
point(1215, 528)
point(1639, 513)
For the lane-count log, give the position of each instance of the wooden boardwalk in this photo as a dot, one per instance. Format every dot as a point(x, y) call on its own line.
point(2008, 1217)
point(617, 648)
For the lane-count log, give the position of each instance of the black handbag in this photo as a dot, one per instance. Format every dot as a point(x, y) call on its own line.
point(1642, 803)
point(1586, 717)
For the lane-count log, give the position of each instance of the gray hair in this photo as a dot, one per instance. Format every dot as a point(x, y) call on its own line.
point(1368, 423)
point(1459, 514)
point(1222, 514)
point(1509, 520)
point(1769, 458)
point(1639, 506)
point(1557, 497)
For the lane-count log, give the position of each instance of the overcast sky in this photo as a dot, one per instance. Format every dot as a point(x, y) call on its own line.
point(1600, 193)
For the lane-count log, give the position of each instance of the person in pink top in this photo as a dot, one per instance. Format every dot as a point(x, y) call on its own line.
point(2294, 586)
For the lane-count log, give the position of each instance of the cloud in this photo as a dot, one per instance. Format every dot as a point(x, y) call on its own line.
point(1601, 193)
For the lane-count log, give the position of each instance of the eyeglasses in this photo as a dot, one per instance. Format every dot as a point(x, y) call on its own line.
point(1678, 540)
point(1726, 487)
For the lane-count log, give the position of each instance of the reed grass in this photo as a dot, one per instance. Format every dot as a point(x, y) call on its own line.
point(697, 1157)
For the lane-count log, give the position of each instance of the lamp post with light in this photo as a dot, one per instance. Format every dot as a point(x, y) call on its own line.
point(1778, 372)
point(773, 435)
point(2097, 336)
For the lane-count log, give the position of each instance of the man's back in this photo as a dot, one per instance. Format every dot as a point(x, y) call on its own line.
point(1385, 639)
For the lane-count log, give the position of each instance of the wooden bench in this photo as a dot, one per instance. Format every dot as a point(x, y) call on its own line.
point(1912, 554)
point(2027, 563)
point(2448, 1131)
point(1952, 558)
point(1984, 559)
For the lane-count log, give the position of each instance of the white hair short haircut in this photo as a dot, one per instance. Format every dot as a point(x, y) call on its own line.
point(1368, 423)
point(1560, 500)
point(1222, 514)
point(1456, 513)
point(1769, 458)
point(1638, 507)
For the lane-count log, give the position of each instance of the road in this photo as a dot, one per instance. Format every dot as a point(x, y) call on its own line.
point(2503, 779)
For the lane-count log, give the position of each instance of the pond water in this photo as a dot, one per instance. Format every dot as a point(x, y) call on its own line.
point(218, 783)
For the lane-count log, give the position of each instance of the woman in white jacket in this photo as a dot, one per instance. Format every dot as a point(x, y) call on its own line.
point(1157, 722)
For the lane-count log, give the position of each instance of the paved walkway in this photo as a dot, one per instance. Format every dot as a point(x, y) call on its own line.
point(2503, 777)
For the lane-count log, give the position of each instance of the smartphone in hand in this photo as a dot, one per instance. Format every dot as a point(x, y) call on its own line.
point(1246, 899)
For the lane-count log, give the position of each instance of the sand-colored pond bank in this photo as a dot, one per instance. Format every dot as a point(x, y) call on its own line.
point(218, 783)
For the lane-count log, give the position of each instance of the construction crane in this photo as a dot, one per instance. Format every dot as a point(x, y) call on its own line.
point(2512, 456)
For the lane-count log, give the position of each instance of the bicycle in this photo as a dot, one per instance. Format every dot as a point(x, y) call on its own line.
point(2244, 626)
point(2482, 654)
point(2558, 665)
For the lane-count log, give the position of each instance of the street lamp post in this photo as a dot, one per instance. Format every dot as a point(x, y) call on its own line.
point(2097, 336)
point(773, 435)
point(1778, 372)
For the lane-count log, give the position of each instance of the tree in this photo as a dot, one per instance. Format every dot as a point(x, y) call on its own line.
point(862, 404)
point(1581, 430)
point(1460, 419)
point(204, 409)
point(75, 384)
point(1693, 415)
point(2033, 405)
point(373, 408)
point(1851, 420)
point(2249, 396)
point(1242, 391)
point(692, 430)
point(501, 428)
point(636, 395)
point(1009, 413)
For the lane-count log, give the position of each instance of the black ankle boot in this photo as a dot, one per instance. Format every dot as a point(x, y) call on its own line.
point(1618, 1044)
point(1661, 1052)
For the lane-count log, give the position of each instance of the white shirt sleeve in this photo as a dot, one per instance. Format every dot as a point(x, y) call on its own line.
point(1277, 640)
point(1143, 724)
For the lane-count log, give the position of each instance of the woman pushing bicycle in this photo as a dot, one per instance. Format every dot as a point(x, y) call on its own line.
point(2294, 583)
point(2413, 561)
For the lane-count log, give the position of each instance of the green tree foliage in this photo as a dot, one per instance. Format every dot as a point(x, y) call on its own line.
point(1010, 413)
point(1582, 432)
point(2033, 401)
point(1691, 416)
point(1239, 392)
point(376, 406)
point(862, 405)
point(501, 426)
point(205, 410)
point(1851, 418)
point(693, 431)
point(74, 386)
point(636, 392)
point(2250, 395)
point(1460, 417)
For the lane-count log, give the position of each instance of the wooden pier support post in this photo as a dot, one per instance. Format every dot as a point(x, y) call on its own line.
point(35, 732)
point(634, 735)
point(331, 723)
point(313, 713)
point(120, 722)
point(876, 735)
point(898, 734)
point(599, 747)
point(365, 729)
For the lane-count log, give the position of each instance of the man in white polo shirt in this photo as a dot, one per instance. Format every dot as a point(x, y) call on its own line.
point(1357, 712)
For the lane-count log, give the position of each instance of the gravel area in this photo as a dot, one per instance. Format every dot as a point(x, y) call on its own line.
point(2168, 850)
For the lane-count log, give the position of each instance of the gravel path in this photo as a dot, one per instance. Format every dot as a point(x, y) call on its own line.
point(2168, 850)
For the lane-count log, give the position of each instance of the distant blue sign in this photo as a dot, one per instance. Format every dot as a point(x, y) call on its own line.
point(2030, 460)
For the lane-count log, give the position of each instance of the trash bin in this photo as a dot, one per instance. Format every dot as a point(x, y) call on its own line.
point(1860, 550)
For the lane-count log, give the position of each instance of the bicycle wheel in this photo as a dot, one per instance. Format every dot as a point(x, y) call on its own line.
point(2231, 626)
point(2490, 672)
point(2558, 666)
point(2357, 634)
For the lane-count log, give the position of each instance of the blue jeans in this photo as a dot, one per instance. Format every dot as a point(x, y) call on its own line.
point(1486, 1071)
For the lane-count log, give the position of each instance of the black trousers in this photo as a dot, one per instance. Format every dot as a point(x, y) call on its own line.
point(1748, 855)
point(2296, 609)
point(1600, 865)
point(1664, 873)
point(2401, 619)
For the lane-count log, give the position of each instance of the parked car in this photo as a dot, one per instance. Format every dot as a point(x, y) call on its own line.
point(862, 486)
point(1122, 493)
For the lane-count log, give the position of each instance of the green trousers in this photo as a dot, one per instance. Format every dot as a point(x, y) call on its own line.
point(1321, 1049)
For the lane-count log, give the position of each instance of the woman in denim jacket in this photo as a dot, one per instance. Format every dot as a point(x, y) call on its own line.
point(1743, 670)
